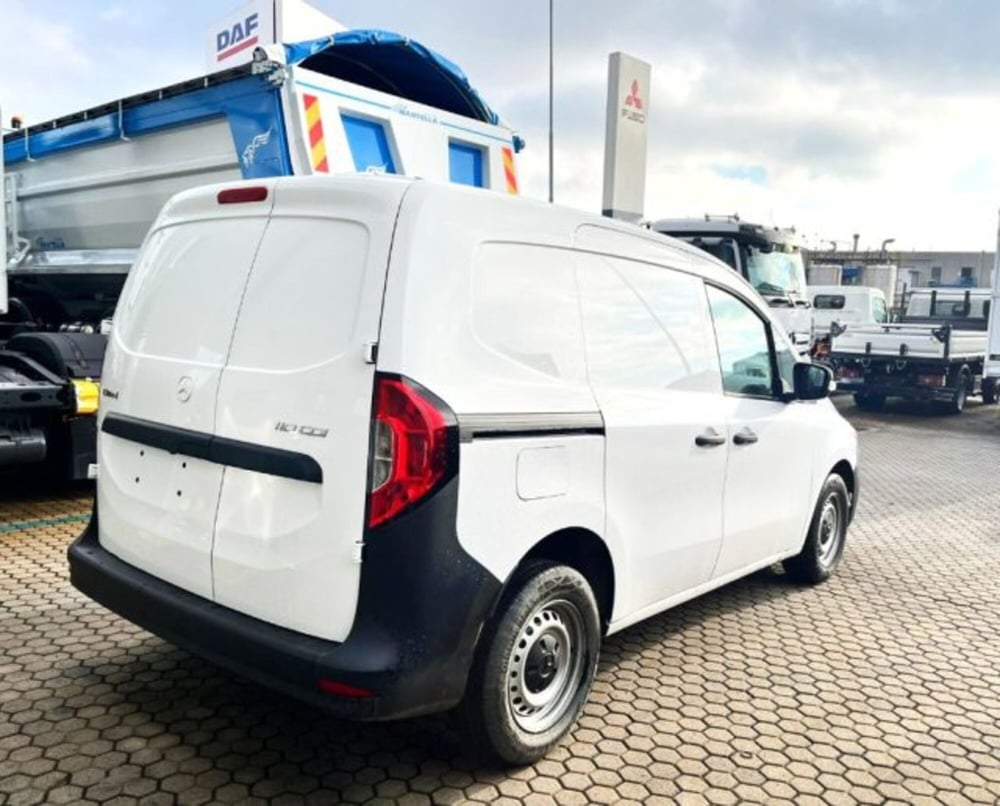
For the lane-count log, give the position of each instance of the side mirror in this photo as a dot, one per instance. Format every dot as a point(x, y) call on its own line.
point(812, 381)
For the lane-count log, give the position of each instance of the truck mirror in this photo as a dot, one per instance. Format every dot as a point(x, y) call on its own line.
point(812, 381)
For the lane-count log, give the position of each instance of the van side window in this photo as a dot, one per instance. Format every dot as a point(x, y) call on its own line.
point(653, 334)
point(524, 306)
point(744, 347)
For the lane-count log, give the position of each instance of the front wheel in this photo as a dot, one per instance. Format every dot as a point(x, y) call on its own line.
point(827, 535)
point(534, 670)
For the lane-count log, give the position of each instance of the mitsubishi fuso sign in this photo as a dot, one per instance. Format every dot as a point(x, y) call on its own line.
point(625, 137)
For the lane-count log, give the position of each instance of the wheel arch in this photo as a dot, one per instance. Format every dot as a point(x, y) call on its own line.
point(846, 472)
point(849, 474)
point(580, 549)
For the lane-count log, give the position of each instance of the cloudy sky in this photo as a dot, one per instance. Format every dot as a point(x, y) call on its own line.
point(879, 117)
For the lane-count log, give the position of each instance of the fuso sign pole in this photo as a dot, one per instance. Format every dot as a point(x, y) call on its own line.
point(625, 137)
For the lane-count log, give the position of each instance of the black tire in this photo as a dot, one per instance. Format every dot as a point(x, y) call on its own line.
point(541, 647)
point(827, 535)
point(869, 402)
point(989, 391)
point(957, 403)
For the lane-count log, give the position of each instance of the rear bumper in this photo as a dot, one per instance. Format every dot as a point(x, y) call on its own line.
point(894, 377)
point(278, 658)
point(421, 606)
point(939, 394)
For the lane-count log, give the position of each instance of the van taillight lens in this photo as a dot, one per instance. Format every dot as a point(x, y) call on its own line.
point(409, 448)
point(254, 193)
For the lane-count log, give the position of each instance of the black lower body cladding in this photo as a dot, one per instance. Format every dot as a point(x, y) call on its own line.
point(421, 606)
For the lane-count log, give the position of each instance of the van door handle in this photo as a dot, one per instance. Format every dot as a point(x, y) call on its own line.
point(710, 439)
point(745, 437)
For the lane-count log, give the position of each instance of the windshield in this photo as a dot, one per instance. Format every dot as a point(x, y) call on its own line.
point(776, 273)
point(723, 250)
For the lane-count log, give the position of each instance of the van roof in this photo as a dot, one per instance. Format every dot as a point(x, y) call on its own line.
point(474, 208)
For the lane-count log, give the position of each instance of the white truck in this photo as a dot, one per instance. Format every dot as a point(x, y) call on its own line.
point(81, 191)
point(768, 257)
point(936, 352)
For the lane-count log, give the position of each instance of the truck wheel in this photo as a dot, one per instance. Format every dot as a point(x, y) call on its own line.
point(957, 403)
point(869, 402)
point(827, 535)
point(534, 669)
point(989, 391)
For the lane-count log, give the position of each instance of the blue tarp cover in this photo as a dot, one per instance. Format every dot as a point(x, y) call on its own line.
point(392, 63)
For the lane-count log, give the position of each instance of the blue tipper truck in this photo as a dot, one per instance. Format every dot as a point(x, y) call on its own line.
point(81, 191)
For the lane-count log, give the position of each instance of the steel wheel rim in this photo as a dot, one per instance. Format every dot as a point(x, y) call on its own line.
point(544, 666)
point(829, 531)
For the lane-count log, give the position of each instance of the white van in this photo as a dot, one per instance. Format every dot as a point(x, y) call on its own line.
point(395, 447)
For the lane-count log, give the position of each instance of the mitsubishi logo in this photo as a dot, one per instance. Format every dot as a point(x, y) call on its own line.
point(633, 108)
point(184, 388)
point(633, 98)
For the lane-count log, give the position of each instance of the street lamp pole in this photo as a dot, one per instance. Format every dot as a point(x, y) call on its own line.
point(551, 139)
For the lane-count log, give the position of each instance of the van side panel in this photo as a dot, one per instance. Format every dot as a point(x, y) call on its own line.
point(161, 377)
point(481, 309)
point(287, 550)
point(514, 492)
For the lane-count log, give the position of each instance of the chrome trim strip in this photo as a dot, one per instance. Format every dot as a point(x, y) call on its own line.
point(529, 424)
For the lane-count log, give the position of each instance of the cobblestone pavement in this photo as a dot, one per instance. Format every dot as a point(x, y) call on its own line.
point(882, 685)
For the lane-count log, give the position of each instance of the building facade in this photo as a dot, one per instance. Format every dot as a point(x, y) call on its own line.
point(916, 269)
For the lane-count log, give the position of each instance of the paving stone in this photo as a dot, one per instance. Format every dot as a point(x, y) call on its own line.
point(878, 686)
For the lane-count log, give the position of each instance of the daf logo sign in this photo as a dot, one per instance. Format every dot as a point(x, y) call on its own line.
point(184, 388)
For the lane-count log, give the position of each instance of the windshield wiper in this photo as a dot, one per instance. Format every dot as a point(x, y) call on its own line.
point(770, 288)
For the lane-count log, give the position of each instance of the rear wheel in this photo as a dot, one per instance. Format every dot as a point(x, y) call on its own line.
point(989, 391)
point(534, 670)
point(827, 535)
point(957, 403)
point(869, 402)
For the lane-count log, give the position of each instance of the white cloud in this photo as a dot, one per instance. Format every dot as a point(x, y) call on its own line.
point(869, 116)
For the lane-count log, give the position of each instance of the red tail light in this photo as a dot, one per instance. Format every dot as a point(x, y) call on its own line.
point(254, 193)
point(410, 453)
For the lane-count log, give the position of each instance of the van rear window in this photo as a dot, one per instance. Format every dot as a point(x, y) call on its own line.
point(304, 295)
point(829, 302)
point(182, 296)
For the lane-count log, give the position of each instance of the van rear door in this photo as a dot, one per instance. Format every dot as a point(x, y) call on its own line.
point(298, 388)
point(173, 326)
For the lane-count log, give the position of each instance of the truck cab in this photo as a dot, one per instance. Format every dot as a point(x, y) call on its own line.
point(839, 306)
point(769, 258)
